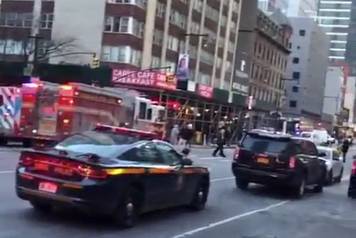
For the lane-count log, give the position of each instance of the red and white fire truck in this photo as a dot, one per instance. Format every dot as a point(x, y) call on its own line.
point(45, 112)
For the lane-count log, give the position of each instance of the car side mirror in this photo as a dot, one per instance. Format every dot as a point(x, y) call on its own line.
point(186, 151)
point(187, 162)
point(322, 154)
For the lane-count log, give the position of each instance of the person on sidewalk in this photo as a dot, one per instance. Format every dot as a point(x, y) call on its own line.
point(186, 135)
point(220, 140)
point(174, 135)
point(345, 148)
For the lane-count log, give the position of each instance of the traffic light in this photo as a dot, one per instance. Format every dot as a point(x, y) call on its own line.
point(95, 63)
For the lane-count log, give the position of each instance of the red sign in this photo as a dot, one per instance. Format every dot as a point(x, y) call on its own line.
point(205, 91)
point(151, 79)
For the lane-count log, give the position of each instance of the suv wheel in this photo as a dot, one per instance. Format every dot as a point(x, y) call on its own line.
point(329, 179)
point(126, 214)
point(3, 141)
point(241, 183)
point(40, 206)
point(300, 189)
point(200, 197)
point(339, 178)
point(351, 195)
point(318, 188)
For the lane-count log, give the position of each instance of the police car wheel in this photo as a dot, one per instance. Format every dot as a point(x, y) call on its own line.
point(200, 197)
point(41, 207)
point(126, 214)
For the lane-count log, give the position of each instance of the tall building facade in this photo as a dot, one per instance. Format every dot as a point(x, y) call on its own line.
point(306, 71)
point(132, 34)
point(334, 93)
point(334, 16)
point(351, 40)
point(18, 22)
point(264, 45)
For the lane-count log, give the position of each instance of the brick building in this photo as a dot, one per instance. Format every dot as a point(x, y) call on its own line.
point(133, 34)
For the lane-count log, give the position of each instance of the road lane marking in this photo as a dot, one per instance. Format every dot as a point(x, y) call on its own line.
point(7, 172)
point(221, 179)
point(230, 219)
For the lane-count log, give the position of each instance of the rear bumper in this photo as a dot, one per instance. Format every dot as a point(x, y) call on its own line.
point(285, 178)
point(86, 196)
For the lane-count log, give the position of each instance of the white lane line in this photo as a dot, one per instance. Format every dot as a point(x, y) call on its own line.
point(221, 179)
point(213, 158)
point(230, 219)
point(7, 172)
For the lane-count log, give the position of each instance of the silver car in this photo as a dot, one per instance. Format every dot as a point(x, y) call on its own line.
point(333, 160)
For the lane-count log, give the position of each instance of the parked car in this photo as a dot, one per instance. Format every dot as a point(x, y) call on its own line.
point(318, 137)
point(111, 172)
point(334, 165)
point(276, 159)
point(352, 183)
point(331, 140)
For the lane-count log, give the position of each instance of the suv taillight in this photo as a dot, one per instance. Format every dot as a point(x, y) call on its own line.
point(237, 153)
point(292, 162)
point(353, 171)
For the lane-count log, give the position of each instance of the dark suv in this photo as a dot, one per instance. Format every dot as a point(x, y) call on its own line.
point(274, 159)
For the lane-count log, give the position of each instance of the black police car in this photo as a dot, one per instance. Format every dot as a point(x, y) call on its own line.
point(112, 172)
point(352, 184)
point(276, 159)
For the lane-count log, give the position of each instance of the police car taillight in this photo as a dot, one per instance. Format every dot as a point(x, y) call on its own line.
point(91, 172)
point(26, 161)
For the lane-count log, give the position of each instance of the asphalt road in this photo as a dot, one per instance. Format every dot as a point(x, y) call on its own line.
point(230, 213)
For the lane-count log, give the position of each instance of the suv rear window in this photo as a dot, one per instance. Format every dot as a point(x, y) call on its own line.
point(260, 144)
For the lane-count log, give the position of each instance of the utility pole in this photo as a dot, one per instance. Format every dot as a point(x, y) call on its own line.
point(34, 61)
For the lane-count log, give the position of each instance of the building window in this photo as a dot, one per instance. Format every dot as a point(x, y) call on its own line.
point(293, 103)
point(23, 20)
point(172, 43)
point(302, 32)
point(124, 25)
point(295, 60)
point(121, 54)
point(117, 24)
point(12, 47)
point(140, 3)
point(295, 89)
point(296, 75)
point(46, 21)
point(156, 62)
point(298, 47)
point(158, 37)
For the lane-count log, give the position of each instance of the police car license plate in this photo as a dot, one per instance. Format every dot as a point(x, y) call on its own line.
point(48, 187)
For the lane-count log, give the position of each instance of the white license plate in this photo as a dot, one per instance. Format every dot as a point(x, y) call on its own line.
point(48, 187)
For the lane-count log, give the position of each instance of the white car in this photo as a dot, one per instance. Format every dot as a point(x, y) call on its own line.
point(334, 162)
point(317, 136)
